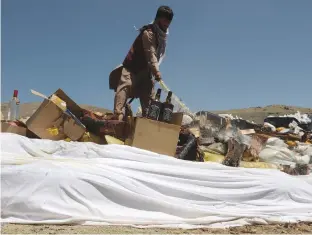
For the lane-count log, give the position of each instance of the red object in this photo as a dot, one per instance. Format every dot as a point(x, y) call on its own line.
point(12, 123)
point(15, 93)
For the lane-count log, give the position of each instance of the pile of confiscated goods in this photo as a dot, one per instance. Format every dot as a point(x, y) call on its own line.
point(60, 118)
point(287, 147)
point(283, 143)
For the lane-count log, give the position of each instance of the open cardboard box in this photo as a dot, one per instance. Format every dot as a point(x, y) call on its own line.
point(156, 136)
point(49, 116)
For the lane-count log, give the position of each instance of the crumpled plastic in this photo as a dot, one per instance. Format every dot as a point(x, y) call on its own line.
point(223, 131)
point(276, 151)
point(232, 132)
point(257, 143)
point(295, 128)
point(186, 120)
point(303, 149)
point(302, 118)
point(273, 128)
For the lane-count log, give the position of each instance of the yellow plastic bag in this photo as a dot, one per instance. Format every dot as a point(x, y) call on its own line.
point(112, 140)
point(213, 157)
point(280, 129)
point(89, 137)
point(291, 143)
point(67, 139)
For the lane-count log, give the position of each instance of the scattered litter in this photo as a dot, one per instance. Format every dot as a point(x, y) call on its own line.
point(280, 140)
point(302, 118)
point(269, 125)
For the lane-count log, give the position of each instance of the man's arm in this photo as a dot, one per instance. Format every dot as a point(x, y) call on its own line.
point(149, 45)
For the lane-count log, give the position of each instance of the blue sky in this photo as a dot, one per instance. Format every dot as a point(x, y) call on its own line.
point(221, 54)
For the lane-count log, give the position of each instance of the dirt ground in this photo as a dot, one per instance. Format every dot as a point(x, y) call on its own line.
point(300, 228)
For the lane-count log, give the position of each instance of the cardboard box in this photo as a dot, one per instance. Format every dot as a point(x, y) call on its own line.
point(7, 127)
point(49, 117)
point(156, 136)
point(21, 129)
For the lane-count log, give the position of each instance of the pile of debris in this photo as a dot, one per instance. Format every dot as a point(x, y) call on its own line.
point(283, 143)
point(60, 118)
point(287, 147)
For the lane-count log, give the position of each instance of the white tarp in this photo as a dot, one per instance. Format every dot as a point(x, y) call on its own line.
point(45, 181)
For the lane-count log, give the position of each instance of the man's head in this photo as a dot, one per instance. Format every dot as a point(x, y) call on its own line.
point(164, 17)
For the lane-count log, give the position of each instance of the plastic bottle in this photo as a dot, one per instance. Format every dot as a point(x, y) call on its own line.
point(13, 113)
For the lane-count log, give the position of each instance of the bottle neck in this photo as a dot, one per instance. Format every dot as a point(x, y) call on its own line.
point(168, 99)
point(157, 97)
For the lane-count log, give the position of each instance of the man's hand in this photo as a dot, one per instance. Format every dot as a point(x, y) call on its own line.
point(158, 76)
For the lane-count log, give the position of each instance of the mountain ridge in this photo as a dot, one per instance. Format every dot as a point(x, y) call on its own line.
point(256, 114)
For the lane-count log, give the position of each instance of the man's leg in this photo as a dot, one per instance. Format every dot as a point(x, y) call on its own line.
point(121, 98)
point(122, 94)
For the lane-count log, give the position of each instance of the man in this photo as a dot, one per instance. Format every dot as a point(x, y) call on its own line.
point(133, 79)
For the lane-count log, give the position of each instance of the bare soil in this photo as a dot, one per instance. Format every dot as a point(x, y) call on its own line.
point(299, 228)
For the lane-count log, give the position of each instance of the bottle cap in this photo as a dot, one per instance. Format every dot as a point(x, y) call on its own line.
point(15, 93)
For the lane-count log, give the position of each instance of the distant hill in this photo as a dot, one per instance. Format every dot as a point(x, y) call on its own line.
point(256, 114)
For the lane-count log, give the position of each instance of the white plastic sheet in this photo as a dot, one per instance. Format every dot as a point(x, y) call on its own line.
point(59, 182)
point(302, 118)
point(276, 151)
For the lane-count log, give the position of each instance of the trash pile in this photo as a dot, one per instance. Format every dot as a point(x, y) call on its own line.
point(60, 118)
point(283, 143)
point(147, 178)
